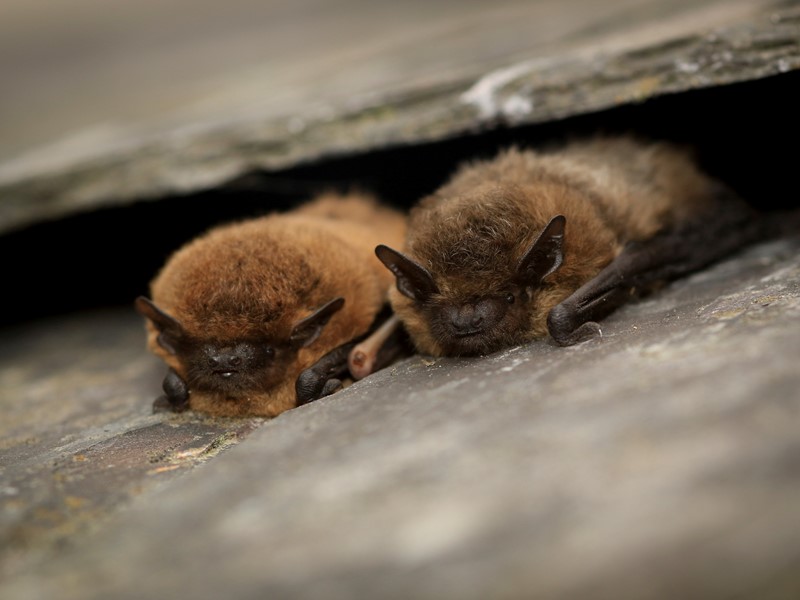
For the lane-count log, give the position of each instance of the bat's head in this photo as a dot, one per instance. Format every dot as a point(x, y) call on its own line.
point(233, 362)
point(466, 314)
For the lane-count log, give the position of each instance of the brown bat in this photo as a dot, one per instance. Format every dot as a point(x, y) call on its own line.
point(536, 242)
point(255, 317)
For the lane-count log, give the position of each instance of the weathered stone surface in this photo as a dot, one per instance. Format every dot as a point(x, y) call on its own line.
point(77, 437)
point(661, 461)
point(391, 76)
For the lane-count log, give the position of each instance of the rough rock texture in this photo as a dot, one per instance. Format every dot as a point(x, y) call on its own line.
point(662, 461)
point(326, 85)
point(77, 437)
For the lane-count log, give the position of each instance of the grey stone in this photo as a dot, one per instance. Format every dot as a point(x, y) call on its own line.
point(660, 461)
point(77, 437)
point(387, 76)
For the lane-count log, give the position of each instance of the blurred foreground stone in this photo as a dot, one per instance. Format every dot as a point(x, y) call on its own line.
point(662, 461)
point(335, 78)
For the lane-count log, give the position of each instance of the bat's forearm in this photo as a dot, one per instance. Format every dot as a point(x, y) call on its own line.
point(364, 357)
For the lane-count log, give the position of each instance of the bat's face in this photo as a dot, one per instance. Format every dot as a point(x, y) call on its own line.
point(235, 367)
point(477, 324)
point(464, 318)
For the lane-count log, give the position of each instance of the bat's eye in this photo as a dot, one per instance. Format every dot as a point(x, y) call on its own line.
point(510, 298)
point(269, 352)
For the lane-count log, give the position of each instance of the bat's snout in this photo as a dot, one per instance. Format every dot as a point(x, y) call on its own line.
point(474, 318)
point(224, 363)
point(232, 369)
point(227, 361)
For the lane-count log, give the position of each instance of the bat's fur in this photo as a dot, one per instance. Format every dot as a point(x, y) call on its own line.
point(471, 232)
point(254, 280)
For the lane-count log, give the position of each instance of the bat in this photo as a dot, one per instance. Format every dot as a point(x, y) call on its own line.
point(531, 243)
point(258, 316)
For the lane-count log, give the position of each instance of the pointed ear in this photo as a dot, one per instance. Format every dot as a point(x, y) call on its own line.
point(413, 280)
point(307, 330)
point(170, 329)
point(544, 255)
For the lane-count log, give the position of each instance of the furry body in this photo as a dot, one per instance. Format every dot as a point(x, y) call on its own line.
point(472, 233)
point(244, 288)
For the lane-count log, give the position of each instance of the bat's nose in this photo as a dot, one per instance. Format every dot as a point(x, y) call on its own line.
point(466, 319)
point(229, 367)
point(225, 360)
point(473, 318)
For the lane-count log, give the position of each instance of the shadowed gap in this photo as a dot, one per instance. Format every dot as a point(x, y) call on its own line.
point(107, 257)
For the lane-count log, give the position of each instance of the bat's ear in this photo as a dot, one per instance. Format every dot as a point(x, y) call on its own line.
point(170, 329)
point(413, 280)
point(308, 329)
point(544, 255)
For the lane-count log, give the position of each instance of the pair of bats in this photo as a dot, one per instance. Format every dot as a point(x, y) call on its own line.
point(258, 317)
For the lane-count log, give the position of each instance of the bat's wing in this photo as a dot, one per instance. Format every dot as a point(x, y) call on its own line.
point(176, 394)
point(323, 377)
point(667, 255)
point(382, 346)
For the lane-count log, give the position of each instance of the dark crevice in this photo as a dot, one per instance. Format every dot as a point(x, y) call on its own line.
point(745, 134)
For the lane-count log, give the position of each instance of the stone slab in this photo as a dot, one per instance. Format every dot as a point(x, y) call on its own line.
point(77, 437)
point(322, 80)
point(661, 461)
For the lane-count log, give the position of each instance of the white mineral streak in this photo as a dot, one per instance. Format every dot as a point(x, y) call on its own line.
point(484, 93)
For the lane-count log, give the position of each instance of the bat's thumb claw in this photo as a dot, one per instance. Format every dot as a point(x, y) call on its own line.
point(311, 386)
point(592, 329)
point(585, 332)
point(331, 386)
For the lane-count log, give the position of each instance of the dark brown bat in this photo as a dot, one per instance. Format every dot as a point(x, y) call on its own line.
point(255, 317)
point(536, 242)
